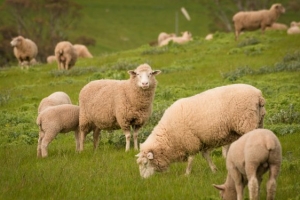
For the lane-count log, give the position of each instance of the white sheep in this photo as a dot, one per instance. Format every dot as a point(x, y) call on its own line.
point(25, 50)
point(253, 20)
point(186, 37)
point(248, 158)
point(117, 104)
point(53, 120)
point(163, 35)
point(294, 28)
point(82, 51)
point(209, 36)
point(277, 26)
point(200, 123)
point(54, 99)
point(51, 59)
point(65, 54)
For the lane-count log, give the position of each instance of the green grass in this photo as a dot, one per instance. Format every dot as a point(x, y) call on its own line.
point(269, 62)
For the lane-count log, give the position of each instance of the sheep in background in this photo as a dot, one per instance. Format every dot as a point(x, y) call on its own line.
point(54, 99)
point(294, 28)
point(82, 51)
point(163, 35)
point(53, 120)
point(115, 104)
point(25, 50)
point(65, 54)
point(186, 37)
point(253, 20)
point(200, 123)
point(248, 159)
point(51, 59)
point(209, 36)
point(277, 26)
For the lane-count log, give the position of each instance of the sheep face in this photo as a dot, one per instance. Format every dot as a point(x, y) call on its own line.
point(144, 162)
point(144, 75)
point(225, 192)
point(279, 8)
point(16, 41)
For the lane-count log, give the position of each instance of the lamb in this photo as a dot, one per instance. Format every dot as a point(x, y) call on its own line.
point(294, 28)
point(186, 37)
point(253, 20)
point(163, 35)
point(54, 99)
point(51, 59)
point(82, 51)
point(66, 55)
point(277, 26)
point(117, 104)
point(248, 158)
point(53, 120)
point(200, 123)
point(25, 50)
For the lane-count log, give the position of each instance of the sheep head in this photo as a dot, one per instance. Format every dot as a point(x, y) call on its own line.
point(226, 193)
point(16, 41)
point(144, 76)
point(279, 9)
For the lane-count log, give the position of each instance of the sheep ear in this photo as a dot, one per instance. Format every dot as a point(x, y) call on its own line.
point(131, 72)
point(219, 187)
point(155, 72)
point(138, 155)
point(150, 156)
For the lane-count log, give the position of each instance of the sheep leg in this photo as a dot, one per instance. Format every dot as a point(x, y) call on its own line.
point(189, 166)
point(45, 142)
point(67, 63)
point(253, 184)
point(39, 148)
point(206, 155)
point(76, 133)
point(96, 134)
point(135, 138)
point(225, 150)
point(239, 186)
point(127, 136)
point(271, 184)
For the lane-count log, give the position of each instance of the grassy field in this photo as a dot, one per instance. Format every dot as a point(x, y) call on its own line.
point(270, 62)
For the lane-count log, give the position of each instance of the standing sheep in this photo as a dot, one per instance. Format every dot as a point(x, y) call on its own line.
point(82, 51)
point(25, 50)
point(253, 20)
point(163, 35)
point(54, 99)
point(186, 36)
point(115, 104)
point(53, 120)
point(202, 122)
point(248, 158)
point(66, 55)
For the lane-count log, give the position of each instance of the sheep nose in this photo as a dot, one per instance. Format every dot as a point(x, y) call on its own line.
point(145, 83)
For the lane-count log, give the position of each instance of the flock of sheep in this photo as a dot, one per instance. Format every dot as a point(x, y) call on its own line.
point(230, 116)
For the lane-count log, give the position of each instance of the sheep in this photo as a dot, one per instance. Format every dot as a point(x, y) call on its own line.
point(51, 59)
point(117, 104)
point(186, 36)
point(294, 28)
point(54, 99)
point(163, 35)
point(53, 120)
point(277, 26)
point(209, 36)
point(82, 51)
point(253, 20)
point(25, 50)
point(248, 158)
point(201, 123)
point(65, 54)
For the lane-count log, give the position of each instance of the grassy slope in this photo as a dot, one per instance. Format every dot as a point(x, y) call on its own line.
point(109, 173)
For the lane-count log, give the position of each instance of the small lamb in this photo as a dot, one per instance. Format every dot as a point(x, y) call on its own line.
point(163, 35)
point(53, 120)
point(25, 50)
point(248, 158)
point(253, 20)
point(186, 37)
point(54, 99)
point(117, 104)
point(82, 51)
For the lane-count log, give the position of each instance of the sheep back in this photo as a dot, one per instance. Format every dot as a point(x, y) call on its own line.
point(208, 120)
point(54, 99)
point(82, 51)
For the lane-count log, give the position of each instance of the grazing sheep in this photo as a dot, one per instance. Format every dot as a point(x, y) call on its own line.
point(186, 36)
point(248, 158)
point(53, 120)
point(82, 51)
point(253, 20)
point(54, 99)
point(163, 35)
point(25, 50)
point(51, 59)
point(65, 54)
point(202, 122)
point(277, 26)
point(115, 104)
point(294, 28)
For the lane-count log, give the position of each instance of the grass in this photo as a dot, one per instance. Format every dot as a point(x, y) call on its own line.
point(110, 173)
